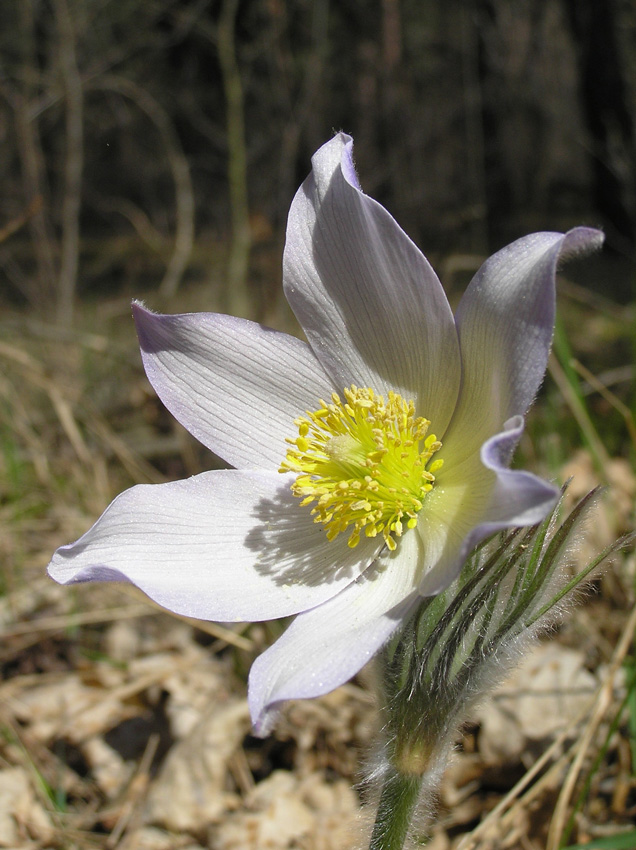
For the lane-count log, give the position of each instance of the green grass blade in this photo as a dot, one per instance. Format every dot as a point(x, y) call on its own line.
point(621, 841)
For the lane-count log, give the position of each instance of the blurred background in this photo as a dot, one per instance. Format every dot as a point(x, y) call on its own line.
point(151, 149)
point(145, 144)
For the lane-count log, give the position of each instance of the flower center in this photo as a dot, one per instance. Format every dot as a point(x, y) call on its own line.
point(363, 462)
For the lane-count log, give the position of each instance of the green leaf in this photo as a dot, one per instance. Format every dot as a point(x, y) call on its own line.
point(620, 841)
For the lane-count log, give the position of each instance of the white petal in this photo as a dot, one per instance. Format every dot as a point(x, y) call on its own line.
point(235, 385)
point(370, 304)
point(474, 499)
point(224, 545)
point(325, 647)
point(505, 322)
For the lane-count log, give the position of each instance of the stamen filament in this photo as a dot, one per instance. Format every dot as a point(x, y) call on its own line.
point(363, 462)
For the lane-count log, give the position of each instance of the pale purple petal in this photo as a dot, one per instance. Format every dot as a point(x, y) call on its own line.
point(325, 647)
point(235, 385)
point(223, 545)
point(237, 545)
point(476, 499)
point(370, 304)
point(506, 322)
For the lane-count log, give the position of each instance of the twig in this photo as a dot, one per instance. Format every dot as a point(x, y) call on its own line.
point(69, 621)
point(608, 395)
point(602, 703)
point(235, 296)
point(13, 226)
point(215, 630)
point(184, 193)
point(73, 164)
point(137, 790)
point(496, 814)
point(580, 414)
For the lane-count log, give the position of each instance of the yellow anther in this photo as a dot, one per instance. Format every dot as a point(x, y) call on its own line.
point(362, 463)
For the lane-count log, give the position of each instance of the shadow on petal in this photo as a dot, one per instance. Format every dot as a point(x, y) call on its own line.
point(292, 549)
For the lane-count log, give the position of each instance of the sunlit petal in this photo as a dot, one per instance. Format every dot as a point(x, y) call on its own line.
point(375, 505)
point(476, 498)
point(505, 322)
point(325, 647)
point(223, 545)
point(370, 304)
point(235, 385)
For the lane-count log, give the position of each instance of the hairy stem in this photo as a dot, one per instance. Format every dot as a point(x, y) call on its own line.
point(399, 797)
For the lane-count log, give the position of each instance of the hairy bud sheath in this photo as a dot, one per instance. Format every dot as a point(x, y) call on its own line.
point(457, 647)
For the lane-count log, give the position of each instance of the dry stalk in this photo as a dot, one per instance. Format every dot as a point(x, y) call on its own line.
point(602, 704)
point(72, 620)
point(136, 793)
point(223, 634)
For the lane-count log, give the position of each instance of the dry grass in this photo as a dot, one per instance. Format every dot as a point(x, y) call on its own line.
point(123, 727)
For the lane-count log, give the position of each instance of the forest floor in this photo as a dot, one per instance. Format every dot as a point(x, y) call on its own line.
point(126, 728)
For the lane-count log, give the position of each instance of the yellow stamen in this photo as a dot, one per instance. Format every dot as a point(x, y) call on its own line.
point(363, 463)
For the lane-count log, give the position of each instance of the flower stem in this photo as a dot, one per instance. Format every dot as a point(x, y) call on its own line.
point(397, 803)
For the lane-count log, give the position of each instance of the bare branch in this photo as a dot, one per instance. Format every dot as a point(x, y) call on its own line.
point(73, 165)
point(184, 194)
point(236, 297)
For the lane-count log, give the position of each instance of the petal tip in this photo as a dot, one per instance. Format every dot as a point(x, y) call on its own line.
point(140, 312)
point(347, 164)
point(263, 710)
point(581, 241)
point(263, 723)
point(146, 323)
point(336, 154)
point(65, 575)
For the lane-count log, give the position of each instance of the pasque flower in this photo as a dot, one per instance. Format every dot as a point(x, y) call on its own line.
point(368, 461)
